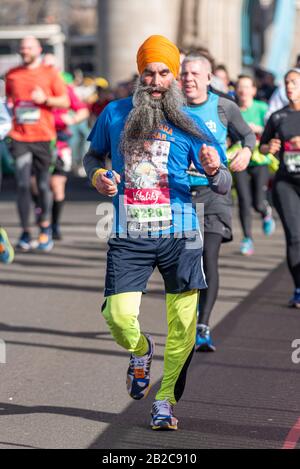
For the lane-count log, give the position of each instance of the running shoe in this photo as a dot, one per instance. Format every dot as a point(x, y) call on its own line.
point(25, 242)
point(162, 416)
point(203, 339)
point(45, 242)
point(295, 300)
point(268, 225)
point(138, 373)
point(6, 250)
point(56, 232)
point(247, 247)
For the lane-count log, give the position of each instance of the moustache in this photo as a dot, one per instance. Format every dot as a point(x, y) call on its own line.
point(151, 89)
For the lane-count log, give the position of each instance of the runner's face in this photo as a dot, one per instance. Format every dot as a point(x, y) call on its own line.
point(222, 75)
point(292, 86)
point(30, 50)
point(245, 89)
point(195, 78)
point(158, 76)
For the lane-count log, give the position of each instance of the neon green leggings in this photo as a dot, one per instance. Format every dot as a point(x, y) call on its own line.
point(121, 313)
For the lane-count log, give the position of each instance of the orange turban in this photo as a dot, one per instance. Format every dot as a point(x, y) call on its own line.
point(159, 49)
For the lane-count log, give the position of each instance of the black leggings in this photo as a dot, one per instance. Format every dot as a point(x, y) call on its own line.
point(251, 187)
point(207, 299)
point(23, 177)
point(286, 197)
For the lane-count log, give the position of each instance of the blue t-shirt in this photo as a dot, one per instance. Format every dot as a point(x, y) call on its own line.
point(208, 112)
point(154, 193)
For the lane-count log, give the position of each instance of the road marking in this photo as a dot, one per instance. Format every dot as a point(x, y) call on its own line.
point(293, 436)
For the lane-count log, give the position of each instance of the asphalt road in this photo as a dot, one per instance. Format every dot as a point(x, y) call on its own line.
point(63, 383)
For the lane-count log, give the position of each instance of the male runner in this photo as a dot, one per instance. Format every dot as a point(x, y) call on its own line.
point(151, 142)
point(34, 89)
point(221, 115)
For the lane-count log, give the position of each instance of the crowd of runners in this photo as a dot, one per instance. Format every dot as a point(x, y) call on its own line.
point(178, 134)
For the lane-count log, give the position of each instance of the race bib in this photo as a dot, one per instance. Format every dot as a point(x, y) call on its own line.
point(147, 193)
point(291, 158)
point(26, 112)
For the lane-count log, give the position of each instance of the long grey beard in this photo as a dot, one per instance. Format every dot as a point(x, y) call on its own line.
point(148, 114)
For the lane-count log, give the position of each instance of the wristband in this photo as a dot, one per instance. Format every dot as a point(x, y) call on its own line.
point(96, 174)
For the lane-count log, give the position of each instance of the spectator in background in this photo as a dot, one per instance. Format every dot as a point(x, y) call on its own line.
point(121, 90)
point(265, 82)
point(221, 72)
point(104, 95)
point(132, 84)
point(84, 87)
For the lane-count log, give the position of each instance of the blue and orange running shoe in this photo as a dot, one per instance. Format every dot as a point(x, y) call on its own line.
point(45, 242)
point(7, 253)
point(295, 300)
point(204, 342)
point(247, 247)
point(162, 416)
point(138, 373)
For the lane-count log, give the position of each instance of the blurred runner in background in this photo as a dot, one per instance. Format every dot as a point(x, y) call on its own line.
point(34, 90)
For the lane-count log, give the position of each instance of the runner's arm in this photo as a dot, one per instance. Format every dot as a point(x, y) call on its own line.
point(94, 165)
point(270, 141)
point(268, 134)
point(99, 137)
point(58, 101)
point(231, 117)
point(93, 161)
point(221, 181)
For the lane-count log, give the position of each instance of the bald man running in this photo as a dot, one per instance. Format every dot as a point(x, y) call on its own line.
point(34, 89)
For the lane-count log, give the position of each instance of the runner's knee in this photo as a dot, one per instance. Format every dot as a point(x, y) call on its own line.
point(121, 315)
point(182, 311)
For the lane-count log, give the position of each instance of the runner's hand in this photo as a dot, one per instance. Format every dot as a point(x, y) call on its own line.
point(274, 145)
point(38, 95)
point(106, 186)
point(210, 160)
point(240, 160)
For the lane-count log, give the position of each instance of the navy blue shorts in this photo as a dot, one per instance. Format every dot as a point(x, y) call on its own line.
point(130, 262)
